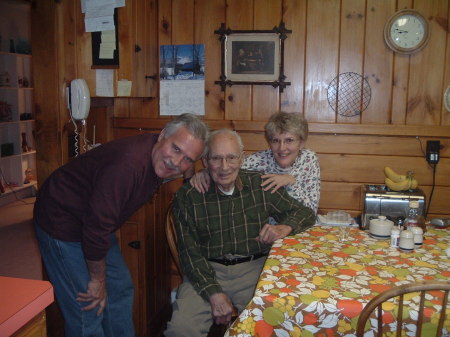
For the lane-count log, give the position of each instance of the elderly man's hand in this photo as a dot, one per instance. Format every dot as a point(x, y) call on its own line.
point(221, 307)
point(270, 233)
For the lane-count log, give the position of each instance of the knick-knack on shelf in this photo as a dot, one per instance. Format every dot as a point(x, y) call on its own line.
point(25, 147)
point(28, 176)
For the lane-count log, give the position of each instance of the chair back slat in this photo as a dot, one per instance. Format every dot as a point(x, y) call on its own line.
point(442, 316)
point(380, 320)
point(400, 316)
point(399, 291)
point(420, 318)
point(171, 235)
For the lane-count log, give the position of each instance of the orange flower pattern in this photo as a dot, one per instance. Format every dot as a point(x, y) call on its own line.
point(314, 285)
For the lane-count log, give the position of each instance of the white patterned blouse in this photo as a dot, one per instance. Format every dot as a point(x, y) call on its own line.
point(305, 169)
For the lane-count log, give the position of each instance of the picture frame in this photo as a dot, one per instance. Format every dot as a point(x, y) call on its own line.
point(252, 57)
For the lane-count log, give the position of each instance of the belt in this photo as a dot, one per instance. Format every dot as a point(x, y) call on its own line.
point(235, 260)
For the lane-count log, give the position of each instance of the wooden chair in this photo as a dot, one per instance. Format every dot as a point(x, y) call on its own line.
point(422, 288)
point(171, 234)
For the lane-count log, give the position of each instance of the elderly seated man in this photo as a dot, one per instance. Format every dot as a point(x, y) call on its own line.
point(224, 236)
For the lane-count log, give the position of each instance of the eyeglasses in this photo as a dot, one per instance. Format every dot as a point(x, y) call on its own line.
point(231, 159)
point(287, 141)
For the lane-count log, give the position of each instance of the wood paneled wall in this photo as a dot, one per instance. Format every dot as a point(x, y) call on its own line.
point(329, 37)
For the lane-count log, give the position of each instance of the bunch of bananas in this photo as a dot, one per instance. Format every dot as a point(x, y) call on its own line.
point(400, 182)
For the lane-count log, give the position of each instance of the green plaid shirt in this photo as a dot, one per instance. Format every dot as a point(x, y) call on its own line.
point(213, 224)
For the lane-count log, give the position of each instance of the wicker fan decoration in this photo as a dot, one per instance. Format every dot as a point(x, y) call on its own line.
point(349, 94)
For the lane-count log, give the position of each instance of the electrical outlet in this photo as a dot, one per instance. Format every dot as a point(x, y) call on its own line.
point(433, 147)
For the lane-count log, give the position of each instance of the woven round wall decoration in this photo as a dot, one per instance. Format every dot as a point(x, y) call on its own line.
point(349, 94)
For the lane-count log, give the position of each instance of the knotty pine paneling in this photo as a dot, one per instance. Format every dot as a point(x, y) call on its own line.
point(399, 80)
point(351, 44)
point(146, 12)
point(356, 144)
point(265, 98)
point(127, 39)
point(365, 169)
point(237, 103)
point(377, 62)
point(425, 96)
point(164, 22)
point(215, 11)
point(294, 15)
point(183, 18)
point(328, 37)
point(321, 66)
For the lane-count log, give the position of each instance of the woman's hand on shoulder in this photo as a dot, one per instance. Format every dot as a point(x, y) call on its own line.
point(274, 181)
point(200, 181)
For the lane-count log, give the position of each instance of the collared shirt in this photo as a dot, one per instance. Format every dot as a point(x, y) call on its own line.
point(212, 225)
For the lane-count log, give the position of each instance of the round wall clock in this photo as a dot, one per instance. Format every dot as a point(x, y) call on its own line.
point(406, 31)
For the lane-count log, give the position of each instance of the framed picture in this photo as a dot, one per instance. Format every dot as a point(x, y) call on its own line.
point(253, 57)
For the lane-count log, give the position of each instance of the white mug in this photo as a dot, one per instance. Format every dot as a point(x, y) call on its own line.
point(406, 242)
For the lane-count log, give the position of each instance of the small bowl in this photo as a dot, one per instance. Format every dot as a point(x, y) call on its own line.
point(380, 228)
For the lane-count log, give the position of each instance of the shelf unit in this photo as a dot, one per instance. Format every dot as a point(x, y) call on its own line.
point(17, 141)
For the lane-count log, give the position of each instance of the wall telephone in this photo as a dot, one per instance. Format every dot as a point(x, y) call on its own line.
point(78, 103)
point(78, 99)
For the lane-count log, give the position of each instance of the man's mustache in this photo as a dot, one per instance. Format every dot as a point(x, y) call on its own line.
point(172, 166)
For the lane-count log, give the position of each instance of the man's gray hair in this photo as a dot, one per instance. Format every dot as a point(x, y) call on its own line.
point(225, 131)
point(192, 123)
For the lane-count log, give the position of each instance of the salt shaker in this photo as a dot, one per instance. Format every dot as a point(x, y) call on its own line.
point(395, 236)
point(406, 242)
point(418, 236)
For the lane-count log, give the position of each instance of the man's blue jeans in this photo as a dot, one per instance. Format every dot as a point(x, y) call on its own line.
point(67, 271)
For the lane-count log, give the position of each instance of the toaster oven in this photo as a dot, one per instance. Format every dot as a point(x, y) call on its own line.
point(380, 200)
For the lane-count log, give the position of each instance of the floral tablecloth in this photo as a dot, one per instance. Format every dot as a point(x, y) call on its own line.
point(314, 285)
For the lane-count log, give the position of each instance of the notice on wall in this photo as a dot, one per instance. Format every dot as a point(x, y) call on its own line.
point(182, 79)
point(99, 14)
point(108, 44)
point(124, 88)
point(104, 82)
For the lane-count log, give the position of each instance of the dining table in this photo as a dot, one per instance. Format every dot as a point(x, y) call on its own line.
point(316, 284)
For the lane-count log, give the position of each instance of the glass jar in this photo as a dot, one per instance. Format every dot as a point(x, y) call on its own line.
point(413, 218)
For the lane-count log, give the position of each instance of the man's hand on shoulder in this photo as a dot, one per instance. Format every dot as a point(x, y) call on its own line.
point(270, 233)
point(200, 181)
point(221, 307)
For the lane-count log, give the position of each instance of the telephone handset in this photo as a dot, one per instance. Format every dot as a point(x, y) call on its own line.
point(79, 100)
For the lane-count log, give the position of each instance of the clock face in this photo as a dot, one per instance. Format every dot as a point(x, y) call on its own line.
point(407, 31)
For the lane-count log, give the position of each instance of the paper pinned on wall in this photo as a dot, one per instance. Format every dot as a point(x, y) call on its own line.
point(99, 14)
point(124, 88)
point(118, 3)
point(104, 82)
point(108, 44)
point(178, 97)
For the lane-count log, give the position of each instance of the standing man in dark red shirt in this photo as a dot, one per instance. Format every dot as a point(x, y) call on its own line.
point(82, 204)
